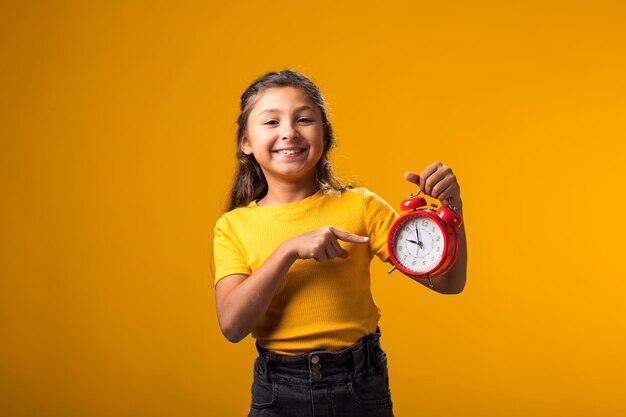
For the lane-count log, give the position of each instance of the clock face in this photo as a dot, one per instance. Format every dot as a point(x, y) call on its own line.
point(418, 244)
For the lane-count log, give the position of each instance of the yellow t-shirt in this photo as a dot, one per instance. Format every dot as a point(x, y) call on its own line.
point(319, 305)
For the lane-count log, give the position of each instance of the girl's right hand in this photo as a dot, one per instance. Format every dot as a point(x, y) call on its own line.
point(322, 244)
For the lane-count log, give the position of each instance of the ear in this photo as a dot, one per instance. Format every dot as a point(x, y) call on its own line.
point(245, 146)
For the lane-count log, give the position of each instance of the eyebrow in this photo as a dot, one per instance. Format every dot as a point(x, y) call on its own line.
point(305, 107)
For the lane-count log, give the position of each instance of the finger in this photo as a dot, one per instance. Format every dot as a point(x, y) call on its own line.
point(445, 183)
point(321, 256)
point(348, 237)
point(445, 194)
point(335, 247)
point(452, 192)
point(341, 252)
point(433, 180)
point(330, 249)
point(412, 177)
point(430, 169)
point(439, 180)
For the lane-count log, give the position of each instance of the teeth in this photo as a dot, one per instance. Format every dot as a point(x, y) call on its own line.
point(289, 152)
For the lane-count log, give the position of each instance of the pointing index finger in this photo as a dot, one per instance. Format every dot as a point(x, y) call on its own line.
point(348, 237)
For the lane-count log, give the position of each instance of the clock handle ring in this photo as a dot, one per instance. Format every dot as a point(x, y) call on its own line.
point(450, 206)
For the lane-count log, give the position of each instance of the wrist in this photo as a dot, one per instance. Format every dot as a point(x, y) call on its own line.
point(288, 251)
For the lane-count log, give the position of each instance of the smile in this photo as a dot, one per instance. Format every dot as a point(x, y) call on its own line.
point(289, 151)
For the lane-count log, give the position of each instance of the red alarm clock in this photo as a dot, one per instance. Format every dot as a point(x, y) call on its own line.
point(424, 242)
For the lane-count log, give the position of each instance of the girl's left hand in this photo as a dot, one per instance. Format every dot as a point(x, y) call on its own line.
point(438, 181)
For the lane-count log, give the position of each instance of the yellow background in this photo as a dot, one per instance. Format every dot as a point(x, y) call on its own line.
point(117, 124)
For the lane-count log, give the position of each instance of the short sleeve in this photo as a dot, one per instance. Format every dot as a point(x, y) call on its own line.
point(228, 254)
point(379, 217)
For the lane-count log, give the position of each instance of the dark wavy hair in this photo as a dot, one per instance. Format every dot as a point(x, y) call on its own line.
point(249, 182)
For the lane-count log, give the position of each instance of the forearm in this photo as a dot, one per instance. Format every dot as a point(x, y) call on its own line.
point(453, 281)
point(243, 305)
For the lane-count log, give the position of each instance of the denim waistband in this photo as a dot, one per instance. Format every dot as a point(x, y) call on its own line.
point(361, 359)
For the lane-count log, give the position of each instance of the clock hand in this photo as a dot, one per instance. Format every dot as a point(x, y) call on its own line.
point(419, 242)
point(412, 241)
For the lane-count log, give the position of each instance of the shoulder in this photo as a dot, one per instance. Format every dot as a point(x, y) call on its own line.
point(233, 217)
point(360, 194)
point(362, 197)
point(355, 192)
point(368, 196)
point(346, 196)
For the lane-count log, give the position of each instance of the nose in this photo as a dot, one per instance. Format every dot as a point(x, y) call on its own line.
point(289, 132)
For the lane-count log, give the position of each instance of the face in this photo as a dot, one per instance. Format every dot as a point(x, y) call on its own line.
point(284, 133)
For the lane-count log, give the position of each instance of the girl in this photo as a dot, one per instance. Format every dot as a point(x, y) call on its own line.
point(292, 258)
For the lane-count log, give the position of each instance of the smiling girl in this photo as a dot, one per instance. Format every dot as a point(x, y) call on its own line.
point(292, 258)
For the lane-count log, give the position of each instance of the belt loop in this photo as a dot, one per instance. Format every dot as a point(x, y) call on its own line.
point(261, 364)
point(260, 367)
point(360, 353)
point(354, 364)
point(371, 346)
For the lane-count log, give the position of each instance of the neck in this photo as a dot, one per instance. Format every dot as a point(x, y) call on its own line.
point(282, 192)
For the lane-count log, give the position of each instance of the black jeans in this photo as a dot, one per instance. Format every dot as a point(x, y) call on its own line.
point(350, 382)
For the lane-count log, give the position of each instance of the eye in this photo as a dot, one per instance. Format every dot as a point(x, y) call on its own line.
point(305, 120)
point(271, 122)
